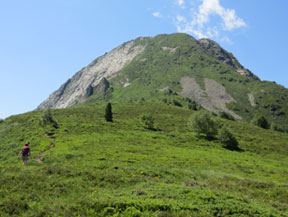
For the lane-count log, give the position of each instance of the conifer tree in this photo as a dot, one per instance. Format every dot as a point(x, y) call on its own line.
point(108, 113)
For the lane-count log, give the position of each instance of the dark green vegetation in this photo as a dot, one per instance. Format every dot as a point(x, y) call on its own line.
point(108, 113)
point(202, 123)
point(226, 116)
point(47, 120)
point(90, 167)
point(155, 75)
point(261, 121)
point(228, 139)
point(148, 121)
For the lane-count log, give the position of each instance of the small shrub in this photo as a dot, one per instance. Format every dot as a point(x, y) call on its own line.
point(140, 192)
point(261, 121)
point(176, 103)
point(170, 92)
point(148, 121)
point(47, 119)
point(276, 128)
point(193, 105)
point(132, 212)
point(108, 113)
point(202, 123)
point(1, 121)
point(227, 116)
point(227, 139)
point(108, 211)
point(69, 156)
point(165, 100)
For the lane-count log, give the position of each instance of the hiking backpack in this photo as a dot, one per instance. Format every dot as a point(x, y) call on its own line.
point(25, 151)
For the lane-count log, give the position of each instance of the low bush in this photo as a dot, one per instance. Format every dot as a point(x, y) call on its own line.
point(47, 119)
point(227, 116)
point(275, 127)
point(227, 139)
point(148, 121)
point(261, 121)
point(202, 123)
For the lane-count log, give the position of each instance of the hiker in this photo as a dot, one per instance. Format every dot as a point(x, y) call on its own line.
point(25, 151)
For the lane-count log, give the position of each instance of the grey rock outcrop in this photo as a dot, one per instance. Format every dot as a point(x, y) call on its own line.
point(214, 98)
point(215, 51)
point(83, 83)
point(102, 87)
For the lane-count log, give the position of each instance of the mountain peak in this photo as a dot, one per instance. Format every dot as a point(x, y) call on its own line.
point(199, 71)
point(216, 51)
point(87, 81)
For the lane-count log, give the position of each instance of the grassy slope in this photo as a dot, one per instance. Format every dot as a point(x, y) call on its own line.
point(103, 169)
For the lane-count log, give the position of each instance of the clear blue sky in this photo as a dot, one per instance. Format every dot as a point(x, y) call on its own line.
point(44, 43)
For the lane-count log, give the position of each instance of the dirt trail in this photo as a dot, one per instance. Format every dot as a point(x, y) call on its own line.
point(39, 157)
point(42, 153)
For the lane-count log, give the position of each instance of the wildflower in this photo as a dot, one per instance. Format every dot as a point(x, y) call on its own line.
point(132, 174)
point(219, 183)
point(96, 191)
point(142, 172)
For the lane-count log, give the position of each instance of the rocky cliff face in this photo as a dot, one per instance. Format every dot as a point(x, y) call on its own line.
point(215, 51)
point(81, 85)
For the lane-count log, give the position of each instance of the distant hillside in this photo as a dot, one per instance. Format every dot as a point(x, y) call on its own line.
point(171, 68)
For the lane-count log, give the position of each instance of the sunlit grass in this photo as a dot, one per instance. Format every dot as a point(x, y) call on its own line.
point(98, 168)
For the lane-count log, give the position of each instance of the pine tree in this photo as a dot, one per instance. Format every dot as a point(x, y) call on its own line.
point(108, 113)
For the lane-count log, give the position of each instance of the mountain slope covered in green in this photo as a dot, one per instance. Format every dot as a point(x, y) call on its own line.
point(89, 167)
point(177, 67)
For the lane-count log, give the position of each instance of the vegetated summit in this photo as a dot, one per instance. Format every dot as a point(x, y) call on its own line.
point(175, 68)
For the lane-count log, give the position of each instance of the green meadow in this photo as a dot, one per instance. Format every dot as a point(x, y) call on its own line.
point(90, 167)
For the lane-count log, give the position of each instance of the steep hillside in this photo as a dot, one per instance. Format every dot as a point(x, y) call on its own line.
point(78, 88)
point(175, 67)
point(215, 51)
point(90, 167)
